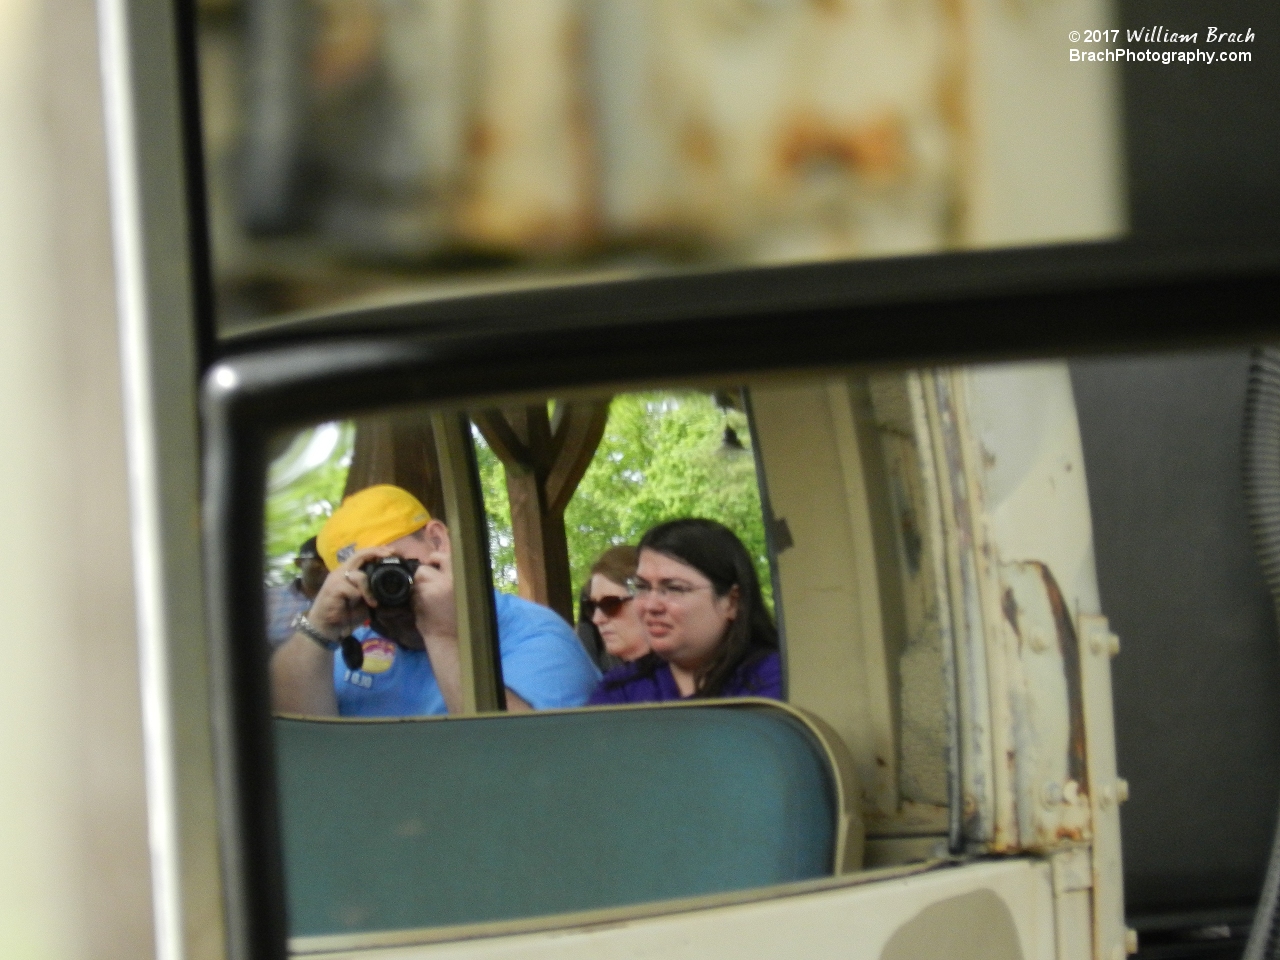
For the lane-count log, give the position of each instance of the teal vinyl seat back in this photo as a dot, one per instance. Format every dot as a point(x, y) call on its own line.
point(425, 822)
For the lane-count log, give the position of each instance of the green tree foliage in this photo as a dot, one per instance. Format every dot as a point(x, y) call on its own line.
point(497, 508)
point(304, 484)
point(662, 456)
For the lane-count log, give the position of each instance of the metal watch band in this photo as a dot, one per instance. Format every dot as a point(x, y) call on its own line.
point(304, 626)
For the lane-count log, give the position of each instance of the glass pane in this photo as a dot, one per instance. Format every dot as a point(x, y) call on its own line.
point(570, 487)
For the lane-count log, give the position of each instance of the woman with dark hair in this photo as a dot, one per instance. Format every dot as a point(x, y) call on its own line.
point(709, 632)
point(608, 620)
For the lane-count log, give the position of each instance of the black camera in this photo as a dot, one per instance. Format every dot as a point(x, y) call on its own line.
point(391, 580)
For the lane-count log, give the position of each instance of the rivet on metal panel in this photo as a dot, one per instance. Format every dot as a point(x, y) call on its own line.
point(1113, 644)
point(1130, 940)
point(1070, 791)
point(1122, 790)
point(1106, 796)
point(1052, 795)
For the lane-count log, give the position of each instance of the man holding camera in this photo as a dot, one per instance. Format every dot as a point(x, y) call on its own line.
point(400, 658)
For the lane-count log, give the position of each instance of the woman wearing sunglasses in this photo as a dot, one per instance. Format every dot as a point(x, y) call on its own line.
point(608, 621)
point(709, 633)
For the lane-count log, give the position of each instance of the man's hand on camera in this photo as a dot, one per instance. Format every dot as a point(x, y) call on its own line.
point(344, 602)
point(433, 602)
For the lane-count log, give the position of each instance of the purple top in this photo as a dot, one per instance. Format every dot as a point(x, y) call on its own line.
point(626, 684)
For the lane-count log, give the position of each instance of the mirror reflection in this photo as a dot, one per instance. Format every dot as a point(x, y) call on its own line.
point(622, 531)
point(363, 147)
point(828, 567)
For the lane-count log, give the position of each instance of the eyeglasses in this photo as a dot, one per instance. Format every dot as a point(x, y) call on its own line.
point(673, 590)
point(609, 606)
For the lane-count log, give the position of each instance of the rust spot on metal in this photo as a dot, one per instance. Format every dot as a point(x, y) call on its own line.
point(698, 145)
point(1069, 833)
point(1010, 607)
point(1069, 644)
point(876, 150)
point(912, 542)
point(881, 762)
point(481, 140)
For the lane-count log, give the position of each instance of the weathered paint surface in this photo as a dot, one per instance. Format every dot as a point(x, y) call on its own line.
point(914, 530)
point(1031, 470)
point(530, 169)
point(1034, 697)
point(867, 619)
point(1018, 525)
point(783, 129)
point(1050, 774)
point(962, 562)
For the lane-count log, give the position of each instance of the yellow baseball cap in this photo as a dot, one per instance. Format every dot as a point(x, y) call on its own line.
point(372, 517)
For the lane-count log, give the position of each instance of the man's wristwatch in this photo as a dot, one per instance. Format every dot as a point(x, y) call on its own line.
point(304, 626)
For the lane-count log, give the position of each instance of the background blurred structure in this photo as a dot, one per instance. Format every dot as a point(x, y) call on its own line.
point(360, 146)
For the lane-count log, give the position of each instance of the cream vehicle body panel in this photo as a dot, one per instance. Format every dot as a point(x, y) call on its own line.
point(994, 911)
point(982, 604)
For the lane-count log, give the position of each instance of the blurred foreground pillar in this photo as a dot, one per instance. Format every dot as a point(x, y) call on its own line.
point(74, 863)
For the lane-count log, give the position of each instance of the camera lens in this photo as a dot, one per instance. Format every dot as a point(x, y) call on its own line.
point(391, 580)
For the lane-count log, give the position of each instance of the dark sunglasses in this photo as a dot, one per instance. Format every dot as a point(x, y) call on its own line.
point(609, 606)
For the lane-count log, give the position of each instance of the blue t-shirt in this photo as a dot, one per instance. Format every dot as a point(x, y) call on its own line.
point(542, 661)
